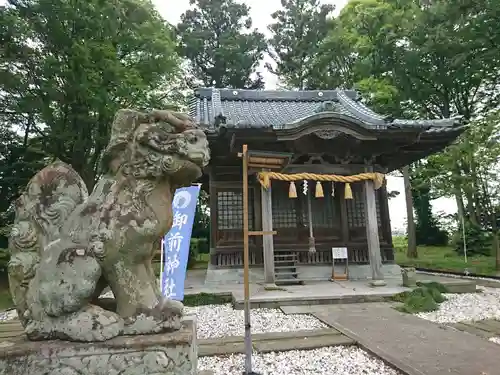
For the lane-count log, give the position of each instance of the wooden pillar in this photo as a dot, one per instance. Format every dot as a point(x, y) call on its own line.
point(212, 192)
point(268, 243)
point(344, 220)
point(372, 236)
point(385, 214)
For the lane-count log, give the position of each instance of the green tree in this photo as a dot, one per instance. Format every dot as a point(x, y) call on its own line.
point(440, 59)
point(297, 32)
point(68, 65)
point(20, 158)
point(222, 49)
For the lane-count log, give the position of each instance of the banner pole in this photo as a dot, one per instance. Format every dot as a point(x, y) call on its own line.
point(246, 264)
point(161, 267)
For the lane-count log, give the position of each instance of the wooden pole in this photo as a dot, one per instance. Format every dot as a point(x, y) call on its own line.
point(246, 261)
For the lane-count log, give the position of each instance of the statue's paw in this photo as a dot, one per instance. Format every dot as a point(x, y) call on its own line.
point(165, 317)
point(90, 324)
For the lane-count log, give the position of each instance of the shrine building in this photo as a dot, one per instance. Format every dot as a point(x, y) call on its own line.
point(317, 166)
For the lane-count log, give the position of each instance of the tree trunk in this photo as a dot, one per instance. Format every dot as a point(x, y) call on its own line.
point(494, 226)
point(412, 235)
point(460, 207)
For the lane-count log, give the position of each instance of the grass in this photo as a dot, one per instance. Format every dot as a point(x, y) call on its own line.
point(202, 299)
point(443, 258)
point(5, 299)
point(201, 261)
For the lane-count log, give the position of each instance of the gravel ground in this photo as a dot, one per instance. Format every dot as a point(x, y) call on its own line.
point(8, 315)
point(223, 320)
point(496, 340)
point(467, 307)
point(337, 360)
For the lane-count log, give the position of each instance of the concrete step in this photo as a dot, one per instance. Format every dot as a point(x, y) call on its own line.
point(283, 273)
point(289, 281)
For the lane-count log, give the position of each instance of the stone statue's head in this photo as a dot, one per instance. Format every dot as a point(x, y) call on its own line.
point(159, 144)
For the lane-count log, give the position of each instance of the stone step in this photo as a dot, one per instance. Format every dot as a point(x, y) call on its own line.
point(285, 261)
point(289, 281)
point(282, 273)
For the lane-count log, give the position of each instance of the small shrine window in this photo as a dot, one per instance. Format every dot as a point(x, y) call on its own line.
point(230, 209)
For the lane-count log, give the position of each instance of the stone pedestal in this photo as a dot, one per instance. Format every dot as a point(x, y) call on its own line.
point(170, 353)
point(409, 277)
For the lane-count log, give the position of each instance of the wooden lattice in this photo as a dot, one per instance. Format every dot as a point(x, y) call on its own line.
point(325, 210)
point(285, 210)
point(356, 213)
point(230, 210)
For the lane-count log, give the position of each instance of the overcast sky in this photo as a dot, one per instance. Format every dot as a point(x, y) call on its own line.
point(261, 11)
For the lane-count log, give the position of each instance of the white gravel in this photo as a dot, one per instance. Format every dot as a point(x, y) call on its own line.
point(467, 307)
point(223, 320)
point(8, 315)
point(496, 340)
point(337, 360)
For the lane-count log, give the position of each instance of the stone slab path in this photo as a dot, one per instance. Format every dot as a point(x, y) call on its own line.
point(414, 345)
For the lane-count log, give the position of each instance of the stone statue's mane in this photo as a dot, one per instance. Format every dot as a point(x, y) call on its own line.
point(133, 138)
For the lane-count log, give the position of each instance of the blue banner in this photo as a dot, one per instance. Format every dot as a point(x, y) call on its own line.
point(175, 244)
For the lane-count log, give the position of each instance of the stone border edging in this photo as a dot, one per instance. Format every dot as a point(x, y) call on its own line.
point(274, 342)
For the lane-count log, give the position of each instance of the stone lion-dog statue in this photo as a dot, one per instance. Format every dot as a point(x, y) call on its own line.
point(67, 247)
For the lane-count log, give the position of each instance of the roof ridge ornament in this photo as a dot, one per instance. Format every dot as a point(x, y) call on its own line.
point(218, 113)
point(328, 106)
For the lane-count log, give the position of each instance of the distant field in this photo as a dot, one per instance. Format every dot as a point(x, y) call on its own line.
point(443, 258)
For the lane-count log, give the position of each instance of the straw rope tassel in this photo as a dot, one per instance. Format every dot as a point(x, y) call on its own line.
point(292, 191)
point(319, 190)
point(348, 191)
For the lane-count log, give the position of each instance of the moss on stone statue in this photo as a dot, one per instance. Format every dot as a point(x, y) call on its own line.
point(425, 298)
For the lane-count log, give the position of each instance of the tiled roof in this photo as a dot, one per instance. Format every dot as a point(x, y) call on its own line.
point(284, 109)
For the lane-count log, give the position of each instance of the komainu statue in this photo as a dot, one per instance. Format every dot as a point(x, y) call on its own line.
point(67, 246)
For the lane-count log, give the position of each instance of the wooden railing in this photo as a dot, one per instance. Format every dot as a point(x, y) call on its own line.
point(358, 254)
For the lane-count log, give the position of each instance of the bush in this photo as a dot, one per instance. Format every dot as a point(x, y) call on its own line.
point(4, 260)
point(425, 298)
point(478, 240)
point(193, 252)
point(203, 246)
point(400, 243)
